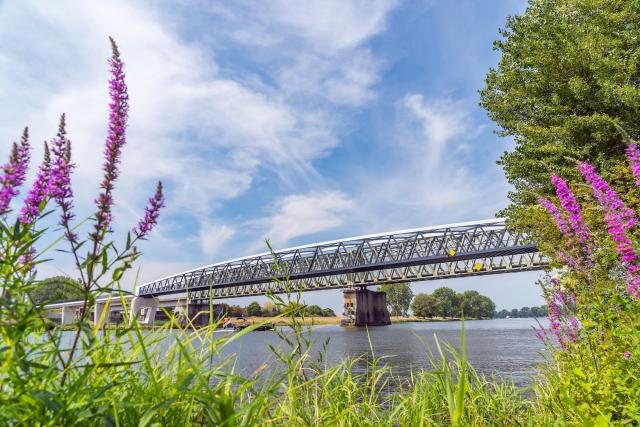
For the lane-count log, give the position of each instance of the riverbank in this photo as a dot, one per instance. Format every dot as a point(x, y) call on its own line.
point(335, 320)
point(307, 321)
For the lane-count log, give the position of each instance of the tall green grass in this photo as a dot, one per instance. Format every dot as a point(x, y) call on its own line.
point(177, 375)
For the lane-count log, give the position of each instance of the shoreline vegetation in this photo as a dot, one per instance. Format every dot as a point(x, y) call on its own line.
point(287, 321)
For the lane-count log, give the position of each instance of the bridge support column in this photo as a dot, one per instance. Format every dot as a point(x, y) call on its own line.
point(144, 309)
point(366, 308)
point(68, 315)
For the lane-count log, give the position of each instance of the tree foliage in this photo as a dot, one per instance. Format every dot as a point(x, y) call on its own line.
point(57, 289)
point(567, 77)
point(399, 298)
point(327, 312)
point(540, 311)
point(425, 305)
point(253, 309)
point(567, 89)
point(447, 303)
point(476, 305)
point(314, 310)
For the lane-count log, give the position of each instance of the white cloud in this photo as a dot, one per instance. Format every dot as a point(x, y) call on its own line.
point(300, 215)
point(332, 25)
point(212, 237)
point(208, 134)
point(438, 179)
point(318, 48)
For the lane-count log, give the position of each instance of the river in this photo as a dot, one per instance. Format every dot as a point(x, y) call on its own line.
point(507, 348)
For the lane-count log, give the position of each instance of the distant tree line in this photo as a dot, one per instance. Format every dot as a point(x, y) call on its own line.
point(269, 309)
point(523, 312)
point(443, 302)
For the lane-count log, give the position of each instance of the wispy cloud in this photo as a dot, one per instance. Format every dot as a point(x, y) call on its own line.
point(214, 236)
point(437, 178)
point(300, 215)
point(208, 134)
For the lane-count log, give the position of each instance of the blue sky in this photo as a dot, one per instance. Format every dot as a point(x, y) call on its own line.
point(289, 120)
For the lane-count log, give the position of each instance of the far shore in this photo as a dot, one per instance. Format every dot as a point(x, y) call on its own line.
point(307, 321)
point(335, 320)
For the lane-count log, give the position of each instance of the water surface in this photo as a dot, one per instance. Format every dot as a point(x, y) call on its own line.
point(504, 347)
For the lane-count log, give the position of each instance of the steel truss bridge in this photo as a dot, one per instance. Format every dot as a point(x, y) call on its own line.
point(440, 252)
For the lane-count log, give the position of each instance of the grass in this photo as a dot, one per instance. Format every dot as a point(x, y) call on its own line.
point(178, 377)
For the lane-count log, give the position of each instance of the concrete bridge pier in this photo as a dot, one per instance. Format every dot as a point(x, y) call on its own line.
point(366, 308)
point(68, 315)
point(144, 309)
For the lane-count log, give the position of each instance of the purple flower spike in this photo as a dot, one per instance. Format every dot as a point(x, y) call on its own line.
point(571, 206)
point(565, 331)
point(619, 220)
point(27, 258)
point(60, 178)
point(151, 213)
point(116, 138)
point(39, 191)
point(633, 154)
point(607, 196)
point(14, 172)
point(556, 214)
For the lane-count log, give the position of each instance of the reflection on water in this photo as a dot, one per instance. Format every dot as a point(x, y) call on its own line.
point(505, 347)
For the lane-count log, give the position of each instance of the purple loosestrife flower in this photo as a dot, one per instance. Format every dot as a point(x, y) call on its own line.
point(607, 196)
point(27, 258)
point(619, 220)
point(564, 331)
point(563, 226)
point(572, 208)
point(60, 178)
point(118, 113)
point(14, 172)
point(39, 191)
point(633, 154)
point(556, 214)
point(151, 213)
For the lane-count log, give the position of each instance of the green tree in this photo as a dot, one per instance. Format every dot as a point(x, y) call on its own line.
point(485, 307)
point(470, 301)
point(399, 297)
point(313, 310)
point(539, 311)
point(57, 289)
point(448, 302)
point(327, 312)
point(425, 305)
point(568, 74)
point(502, 314)
point(235, 311)
point(476, 305)
point(253, 309)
